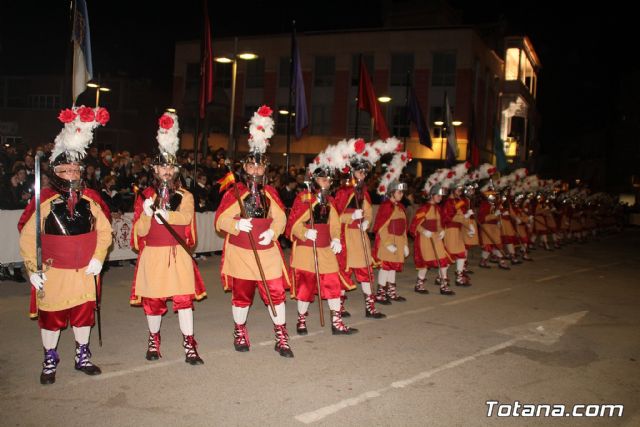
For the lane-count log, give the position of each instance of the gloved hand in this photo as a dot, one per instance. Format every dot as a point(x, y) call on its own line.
point(357, 214)
point(531, 219)
point(364, 225)
point(266, 237)
point(311, 234)
point(406, 251)
point(336, 246)
point(497, 213)
point(468, 214)
point(244, 224)
point(427, 234)
point(94, 267)
point(518, 221)
point(392, 248)
point(37, 280)
point(163, 213)
point(472, 231)
point(441, 235)
point(146, 206)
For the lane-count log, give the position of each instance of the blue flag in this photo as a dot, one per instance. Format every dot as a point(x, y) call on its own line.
point(498, 149)
point(81, 37)
point(415, 115)
point(452, 142)
point(302, 118)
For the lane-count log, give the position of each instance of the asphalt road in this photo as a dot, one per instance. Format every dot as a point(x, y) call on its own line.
point(563, 329)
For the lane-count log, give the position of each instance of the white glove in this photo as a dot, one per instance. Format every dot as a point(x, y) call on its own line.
point(336, 246)
point(311, 234)
point(472, 231)
point(441, 235)
point(37, 280)
point(392, 248)
point(497, 213)
point(266, 237)
point(94, 267)
point(244, 224)
point(146, 206)
point(518, 221)
point(468, 214)
point(364, 225)
point(406, 251)
point(531, 218)
point(427, 234)
point(357, 214)
point(163, 213)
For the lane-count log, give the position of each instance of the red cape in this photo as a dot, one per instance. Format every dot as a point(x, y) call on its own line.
point(138, 243)
point(48, 193)
point(230, 199)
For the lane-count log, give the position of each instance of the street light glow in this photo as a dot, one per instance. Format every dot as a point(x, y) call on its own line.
point(438, 123)
point(456, 122)
point(91, 84)
point(384, 99)
point(104, 89)
point(283, 112)
point(223, 60)
point(247, 55)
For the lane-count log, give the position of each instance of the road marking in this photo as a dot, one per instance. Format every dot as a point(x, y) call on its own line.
point(581, 270)
point(547, 332)
point(544, 279)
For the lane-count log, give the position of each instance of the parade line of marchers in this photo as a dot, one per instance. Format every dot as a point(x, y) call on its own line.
point(65, 234)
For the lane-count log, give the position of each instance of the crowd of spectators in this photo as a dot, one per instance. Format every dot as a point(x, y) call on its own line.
point(119, 176)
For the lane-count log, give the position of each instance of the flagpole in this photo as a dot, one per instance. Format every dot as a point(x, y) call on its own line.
point(443, 128)
point(67, 83)
point(406, 109)
point(358, 97)
point(196, 142)
point(289, 105)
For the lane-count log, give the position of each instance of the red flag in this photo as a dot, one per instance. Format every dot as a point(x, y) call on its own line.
point(206, 65)
point(368, 101)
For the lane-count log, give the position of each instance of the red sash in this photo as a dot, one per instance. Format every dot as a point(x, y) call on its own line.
point(397, 227)
point(160, 236)
point(455, 224)
point(430, 224)
point(324, 237)
point(260, 225)
point(70, 252)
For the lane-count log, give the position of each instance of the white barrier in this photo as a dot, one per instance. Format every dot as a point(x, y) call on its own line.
point(208, 239)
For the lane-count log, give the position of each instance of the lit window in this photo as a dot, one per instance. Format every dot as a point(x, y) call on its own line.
point(511, 68)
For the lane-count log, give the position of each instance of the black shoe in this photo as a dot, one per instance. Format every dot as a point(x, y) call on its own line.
point(345, 313)
point(347, 331)
point(194, 360)
point(375, 315)
point(152, 355)
point(89, 369)
point(46, 379)
point(284, 351)
point(446, 291)
point(420, 290)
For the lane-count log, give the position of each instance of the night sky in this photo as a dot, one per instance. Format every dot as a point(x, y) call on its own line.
point(585, 54)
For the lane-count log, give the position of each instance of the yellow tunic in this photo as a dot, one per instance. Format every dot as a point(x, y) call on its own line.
point(353, 237)
point(165, 271)
point(426, 248)
point(386, 239)
point(241, 263)
point(65, 288)
point(302, 256)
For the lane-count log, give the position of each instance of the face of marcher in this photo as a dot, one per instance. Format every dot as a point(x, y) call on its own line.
point(436, 199)
point(323, 182)
point(165, 172)
point(360, 175)
point(398, 195)
point(68, 172)
point(254, 169)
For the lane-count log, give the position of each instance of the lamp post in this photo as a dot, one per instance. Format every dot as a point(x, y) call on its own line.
point(247, 56)
point(99, 88)
point(383, 100)
point(443, 131)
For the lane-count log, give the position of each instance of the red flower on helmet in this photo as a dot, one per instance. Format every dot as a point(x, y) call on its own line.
point(382, 189)
point(165, 121)
point(86, 114)
point(388, 176)
point(102, 116)
point(359, 146)
point(317, 160)
point(467, 165)
point(346, 169)
point(265, 111)
point(67, 116)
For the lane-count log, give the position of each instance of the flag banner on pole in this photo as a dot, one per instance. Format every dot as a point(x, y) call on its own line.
point(81, 37)
point(452, 142)
point(206, 65)
point(226, 181)
point(368, 101)
point(416, 116)
point(302, 116)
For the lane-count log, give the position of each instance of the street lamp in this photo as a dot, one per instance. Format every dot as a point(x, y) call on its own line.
point(247, 56)
point(443, 130)
point(99, 88)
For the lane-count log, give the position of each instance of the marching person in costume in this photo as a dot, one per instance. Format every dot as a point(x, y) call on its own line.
point(252, 217)
point(428, 232)
point(75, 233)
point(508, 233)
point(391, 246)
point(489, 222)
point(164, 231)
point(467, 189)
point(354, 205)
point(457, 223)
point(323, 231)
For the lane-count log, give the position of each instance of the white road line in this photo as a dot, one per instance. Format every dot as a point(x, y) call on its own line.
point(544, 279)
point(313, 416)
point(581, 270)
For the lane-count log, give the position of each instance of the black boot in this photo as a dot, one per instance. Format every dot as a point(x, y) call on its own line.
point(191, 350)
point(381, 295)
point(153, 346)
point(419, 288)
point(338, 327)
point(392, 293)
point(301, 326)
point(444, 288)
point(83, 360)
point(370, 308)
point(343, 312)
point(241, 338)
point(282, 341)
point(51, 360)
